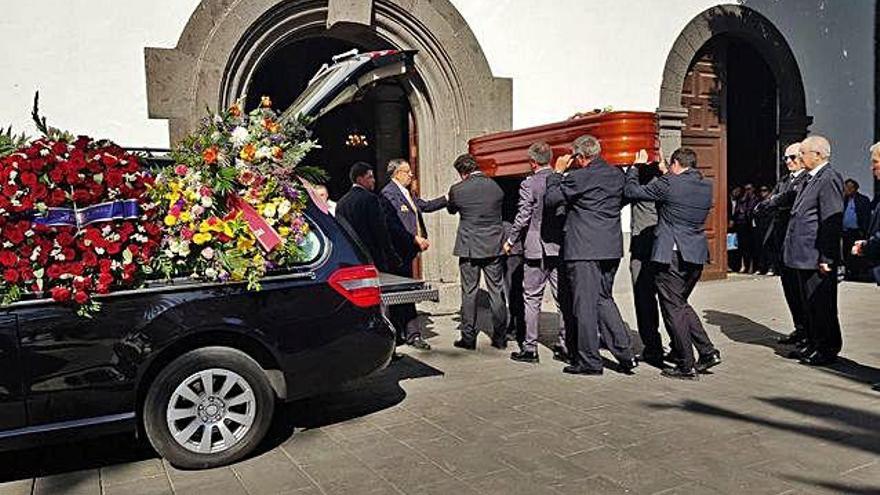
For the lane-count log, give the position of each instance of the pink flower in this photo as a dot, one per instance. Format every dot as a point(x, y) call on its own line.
point(205, 191)
point(186, 233)
point(180, 169)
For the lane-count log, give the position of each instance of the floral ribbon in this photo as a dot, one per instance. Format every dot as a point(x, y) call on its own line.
point(127, 209)
point(265, 234)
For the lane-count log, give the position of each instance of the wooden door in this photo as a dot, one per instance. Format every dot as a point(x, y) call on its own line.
point(705, 132)
point(414, 164)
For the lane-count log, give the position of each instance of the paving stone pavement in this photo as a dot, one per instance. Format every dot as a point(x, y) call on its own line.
point(455, 422)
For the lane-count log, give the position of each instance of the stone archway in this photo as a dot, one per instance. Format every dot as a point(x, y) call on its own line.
point(749, 25)
point(453, 98)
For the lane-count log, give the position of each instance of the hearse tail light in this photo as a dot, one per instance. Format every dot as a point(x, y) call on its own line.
point(359, 284)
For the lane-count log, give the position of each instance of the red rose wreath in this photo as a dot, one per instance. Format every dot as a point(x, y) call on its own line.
point(73, 221)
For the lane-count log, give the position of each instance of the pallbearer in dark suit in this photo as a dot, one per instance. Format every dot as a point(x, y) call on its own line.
point(592, 195)
point(478, 200)
point(779, 205)
point(540, 233)
point(812, 248)
point(410, 238)
point(870, 247)
point(680, 250)
point(643, 223)
point(361, 209)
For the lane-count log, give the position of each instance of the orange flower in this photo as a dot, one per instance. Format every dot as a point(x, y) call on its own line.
point(265, 102)
point(235, 110)
point(270, 125)
point(248, 152)
point(210, 155)
point(277, 152)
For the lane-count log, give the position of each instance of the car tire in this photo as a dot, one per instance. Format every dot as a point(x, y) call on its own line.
point(216, 390)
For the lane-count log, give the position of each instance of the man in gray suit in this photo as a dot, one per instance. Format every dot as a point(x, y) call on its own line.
point(478, 201)
point(812, 248)
point(592, 195)
point(540, 232)
point(683, 200)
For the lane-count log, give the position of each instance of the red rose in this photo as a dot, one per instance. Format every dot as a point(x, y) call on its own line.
point(81, 195)
point(39, 192)
point(104, 265)
point(59, 148)
point(89, 259)
point(29, 179)
point(81, 297)
point(13, 233)
point(69, 254)
point(10, 276)
point(54, 271)
point(82, 283)
point(75, 268)
point(105, 278)
point(26, 273)
point(109, 160)
point(57, 197)
point(133, 249)
point(9, 190)
point(60, 294)
point(113, 178)
point(113, 247)
point(8, 258)
point(65, 239)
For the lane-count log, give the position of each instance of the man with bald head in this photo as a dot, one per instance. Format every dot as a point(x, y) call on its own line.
point(812, 250)
point(779, 205)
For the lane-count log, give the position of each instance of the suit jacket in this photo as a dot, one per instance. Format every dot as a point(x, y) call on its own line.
point(683, 203)
point(779, 205)
point(363, 212)
point(407, 223)
point(643, 218)
point(863, 210)
point(478, 201)
point(871, 250)
point(539, 229)
point(593, 197)
point(814, 230)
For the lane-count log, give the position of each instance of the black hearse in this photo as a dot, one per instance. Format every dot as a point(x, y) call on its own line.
point(197, 368)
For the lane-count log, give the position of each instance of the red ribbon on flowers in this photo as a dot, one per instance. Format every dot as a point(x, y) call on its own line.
point(265, 234)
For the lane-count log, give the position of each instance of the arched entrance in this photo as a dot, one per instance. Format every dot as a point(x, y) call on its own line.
point(454, 97)
point(733, 92)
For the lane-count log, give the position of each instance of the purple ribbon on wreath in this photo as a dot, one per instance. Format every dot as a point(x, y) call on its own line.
point(126, 209)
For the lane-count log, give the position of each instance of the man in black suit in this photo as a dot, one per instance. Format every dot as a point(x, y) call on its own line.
point(592, 195)
point(856, 216)
point(812, 249)
point(643, 223)
point(478, 201)
point(779, 205)
point(410, 237)
point(680, 250)
point(870, 246)
point(362, 210)
point(539, 231)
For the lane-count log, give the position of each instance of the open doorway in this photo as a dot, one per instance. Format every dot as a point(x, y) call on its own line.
point(374, 129)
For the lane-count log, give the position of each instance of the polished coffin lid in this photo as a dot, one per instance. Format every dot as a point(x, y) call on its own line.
point(621, 134)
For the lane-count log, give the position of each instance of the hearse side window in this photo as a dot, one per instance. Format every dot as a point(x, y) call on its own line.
point(313, 247)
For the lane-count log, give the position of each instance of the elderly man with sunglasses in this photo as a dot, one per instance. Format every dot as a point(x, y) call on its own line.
point(779, 205)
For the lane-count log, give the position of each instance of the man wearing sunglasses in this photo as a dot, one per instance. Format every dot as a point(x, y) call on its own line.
point(779, 205)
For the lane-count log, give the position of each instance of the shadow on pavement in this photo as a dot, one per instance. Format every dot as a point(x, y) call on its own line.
point(741, 329)
point(353, 400)
point(836, 487)
point(853, 428)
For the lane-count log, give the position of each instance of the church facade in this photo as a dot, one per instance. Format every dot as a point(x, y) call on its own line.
point(736, 81)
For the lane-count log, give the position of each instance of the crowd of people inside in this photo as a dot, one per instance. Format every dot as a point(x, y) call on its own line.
point(755, 240)
point(566, 233)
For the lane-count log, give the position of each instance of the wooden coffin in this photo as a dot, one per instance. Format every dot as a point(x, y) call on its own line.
point(622, 135)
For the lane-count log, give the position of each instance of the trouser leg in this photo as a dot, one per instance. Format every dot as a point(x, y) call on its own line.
point(534, 281)
point(821, 294)
point(671, 286)
point(514, 271)
point(699, 337)
point(611, 325)
point(790, 290)
point(585, 279)
point(645, 302)
point(494, 272)
point(552, 266)
point(470, 282)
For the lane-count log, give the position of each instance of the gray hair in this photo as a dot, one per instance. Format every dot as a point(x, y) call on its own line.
point(587, 146)
point(819, 144)
point(540, 153)
point(394, 164)
point(875, 148)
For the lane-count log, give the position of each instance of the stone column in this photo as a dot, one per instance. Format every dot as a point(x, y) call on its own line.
point(670, 123)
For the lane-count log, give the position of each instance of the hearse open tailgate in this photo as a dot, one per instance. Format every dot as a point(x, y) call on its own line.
point(402, 290)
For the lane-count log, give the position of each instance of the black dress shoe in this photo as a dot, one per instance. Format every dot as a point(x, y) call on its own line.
point(792, 338)
point(500, 343)
point(628, 366)
point(801, 352)
point(560, 354)
point(876, 387)
point(708, 361)
point(419, 343)
point(525, 356)
point(818, 359)
point(580, 370)
point(679, 373)
point(465, 344)
point(671, 357)
point(652, 358)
